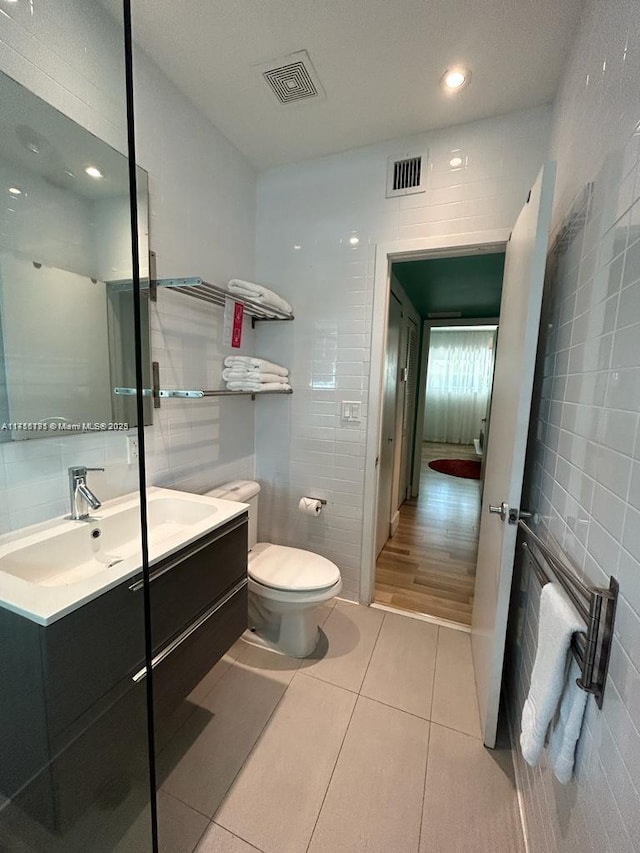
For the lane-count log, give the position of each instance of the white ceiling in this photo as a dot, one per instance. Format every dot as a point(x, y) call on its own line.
point(380, 62)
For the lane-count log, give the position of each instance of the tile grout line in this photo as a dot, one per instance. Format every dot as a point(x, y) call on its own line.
point(344, 737)
point(431, 724)
point(424, 787)
point(435, 669)
point(235, 835)
point(346, 731)
point(373, 651)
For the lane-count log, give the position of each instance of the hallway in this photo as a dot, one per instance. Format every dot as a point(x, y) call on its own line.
point(429, 565)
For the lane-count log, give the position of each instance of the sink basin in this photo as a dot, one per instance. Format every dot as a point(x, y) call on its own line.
point(47, 571)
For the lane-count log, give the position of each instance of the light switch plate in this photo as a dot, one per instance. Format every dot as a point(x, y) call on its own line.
point(351, 411)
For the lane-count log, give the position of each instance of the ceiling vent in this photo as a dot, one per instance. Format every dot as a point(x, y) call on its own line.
point(292, 78)
point(405, 175)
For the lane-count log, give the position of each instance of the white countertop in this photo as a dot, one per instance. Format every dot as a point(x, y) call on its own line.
point(50, 569)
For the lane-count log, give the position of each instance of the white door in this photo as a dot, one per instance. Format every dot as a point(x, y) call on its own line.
point(387, 439)
point(511, 402)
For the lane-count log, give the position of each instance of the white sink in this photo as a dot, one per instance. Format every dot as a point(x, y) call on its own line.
point(49, 570)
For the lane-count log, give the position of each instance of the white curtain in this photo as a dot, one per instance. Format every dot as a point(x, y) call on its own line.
point(459, 376)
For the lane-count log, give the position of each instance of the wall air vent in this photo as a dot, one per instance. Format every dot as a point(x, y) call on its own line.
point(292, 78)
point(405, 175)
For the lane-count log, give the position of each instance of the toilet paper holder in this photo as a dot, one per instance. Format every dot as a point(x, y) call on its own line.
point(320, 500)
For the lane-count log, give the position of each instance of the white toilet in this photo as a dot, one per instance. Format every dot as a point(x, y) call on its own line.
point(285, 584)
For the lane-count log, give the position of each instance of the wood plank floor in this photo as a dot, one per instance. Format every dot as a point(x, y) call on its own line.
point(429, 565)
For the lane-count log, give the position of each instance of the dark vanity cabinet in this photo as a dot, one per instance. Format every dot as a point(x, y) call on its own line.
point(81, 682)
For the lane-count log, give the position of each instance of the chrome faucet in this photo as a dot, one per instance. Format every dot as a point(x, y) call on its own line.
point(78, 488)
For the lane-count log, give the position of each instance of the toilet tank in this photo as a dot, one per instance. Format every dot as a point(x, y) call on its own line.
point(245, 491)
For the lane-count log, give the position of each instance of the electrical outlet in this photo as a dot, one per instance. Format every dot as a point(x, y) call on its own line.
point(133, 450)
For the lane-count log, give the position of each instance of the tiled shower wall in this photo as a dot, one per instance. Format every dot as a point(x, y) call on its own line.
point(584, 457)
point(202, 222)
point(317, 228)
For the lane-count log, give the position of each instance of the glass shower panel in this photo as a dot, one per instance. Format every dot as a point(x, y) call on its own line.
point(74, 734)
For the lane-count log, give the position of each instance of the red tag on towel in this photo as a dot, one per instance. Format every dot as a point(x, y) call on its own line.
point(236, 334)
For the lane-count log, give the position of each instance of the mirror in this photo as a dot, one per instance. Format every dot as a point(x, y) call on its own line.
point(66, 296)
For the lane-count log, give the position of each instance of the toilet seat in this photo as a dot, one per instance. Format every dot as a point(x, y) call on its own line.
point(292, 570)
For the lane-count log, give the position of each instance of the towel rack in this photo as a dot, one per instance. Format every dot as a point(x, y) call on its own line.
point(597, 606)
point(216, 294)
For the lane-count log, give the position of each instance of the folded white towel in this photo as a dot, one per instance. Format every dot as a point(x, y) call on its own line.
point(259, 293)
point(232, 374)
point(565, 735)
point(557, 621)
point(253, 363)
point(257, 387)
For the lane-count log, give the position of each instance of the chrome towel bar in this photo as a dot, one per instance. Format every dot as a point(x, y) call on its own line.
point(597, 606)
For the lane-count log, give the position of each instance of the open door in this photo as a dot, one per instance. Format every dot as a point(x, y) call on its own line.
point(387, 439)
point(511, 403)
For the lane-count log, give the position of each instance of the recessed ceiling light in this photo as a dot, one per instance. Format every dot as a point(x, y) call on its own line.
point(353, 241)
point(455, 79)
point(15, 190)
point(455, 162)
point(297, 247)
point(94, 172)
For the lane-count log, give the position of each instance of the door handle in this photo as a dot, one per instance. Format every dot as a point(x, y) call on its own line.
point(502, 510)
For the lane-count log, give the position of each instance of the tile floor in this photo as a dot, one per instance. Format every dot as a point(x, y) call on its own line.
point(372, 745)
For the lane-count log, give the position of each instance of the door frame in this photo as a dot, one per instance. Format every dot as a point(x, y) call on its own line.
point(479, 242)
point(427, 325)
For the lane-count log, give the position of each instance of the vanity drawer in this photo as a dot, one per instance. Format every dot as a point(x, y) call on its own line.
point(182, 663)
point(187, 583)
point(86, 653)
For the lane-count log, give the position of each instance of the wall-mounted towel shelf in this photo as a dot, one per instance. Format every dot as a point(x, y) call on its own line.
point(192, 394)
point(596, 605)
point(195, 394)
point(216, 294)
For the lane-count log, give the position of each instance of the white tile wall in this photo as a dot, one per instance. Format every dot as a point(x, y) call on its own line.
point(307, 215)
point(583, 464)
point(202, 222)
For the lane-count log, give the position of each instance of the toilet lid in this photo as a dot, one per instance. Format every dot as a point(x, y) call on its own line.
point(286, 568)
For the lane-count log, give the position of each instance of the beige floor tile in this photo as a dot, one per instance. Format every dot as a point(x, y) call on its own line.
point(273, 665)
point(213, 676)
point(324, 611)
point(276, 799)
point(217, 840)
point(374, 800)
point(202, 760)
point(344, 652)
point(179, 827)
point(469, 793)
point(168, 726)
point(403, 664)
point(454, 692)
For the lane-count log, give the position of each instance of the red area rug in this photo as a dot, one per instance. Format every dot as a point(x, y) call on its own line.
point(467, 468)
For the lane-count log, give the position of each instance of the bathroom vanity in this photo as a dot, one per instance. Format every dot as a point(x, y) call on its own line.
point(74, 654)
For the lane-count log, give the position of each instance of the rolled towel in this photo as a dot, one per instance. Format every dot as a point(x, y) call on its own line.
point(253, 363)
point(259, 293)
point(565, 736)
point(257, 387)
point(558, 620)
point(232, 374)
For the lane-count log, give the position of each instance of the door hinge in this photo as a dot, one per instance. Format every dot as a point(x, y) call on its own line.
point(528, 198)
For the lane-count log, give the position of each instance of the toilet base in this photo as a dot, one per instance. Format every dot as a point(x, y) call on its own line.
point(289, 631)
